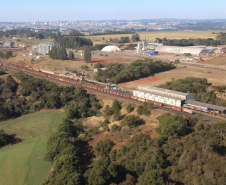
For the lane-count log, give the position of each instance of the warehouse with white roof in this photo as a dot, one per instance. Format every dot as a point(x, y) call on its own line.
point(183, 50)
point(165, 96)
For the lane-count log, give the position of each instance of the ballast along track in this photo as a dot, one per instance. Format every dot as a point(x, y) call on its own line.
point(96, 87)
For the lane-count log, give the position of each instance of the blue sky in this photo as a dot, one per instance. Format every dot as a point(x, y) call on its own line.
point(54, 10)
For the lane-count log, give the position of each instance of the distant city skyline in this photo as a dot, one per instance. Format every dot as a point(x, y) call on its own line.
point(57, 10)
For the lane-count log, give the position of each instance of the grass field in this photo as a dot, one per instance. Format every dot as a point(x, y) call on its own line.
point(216, 61)
point(151, 36)
point(213, 76)
point(23, 163)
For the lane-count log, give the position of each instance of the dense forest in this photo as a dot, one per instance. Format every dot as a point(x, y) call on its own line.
point(35, 94)
point(220, 40)
point(119, 73)
point(186, 151)
point(73, 42)
point(197, 87)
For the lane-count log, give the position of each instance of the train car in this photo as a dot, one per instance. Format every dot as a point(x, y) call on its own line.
point(158, 104)
point(188, 111)
point(126, 96)
point(112, 92)
point(141, 99)
point(133, 97)
point(177, 108)
point(106, 90)
point(94, 87)
point(100, 89)
point(119, 94)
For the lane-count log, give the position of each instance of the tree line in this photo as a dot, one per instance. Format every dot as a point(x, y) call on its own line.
point(220, 40)
point(42, 94)
point(185, 151)
point(73, 42)
point(119, 73)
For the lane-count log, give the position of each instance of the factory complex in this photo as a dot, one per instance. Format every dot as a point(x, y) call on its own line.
point(176, 99)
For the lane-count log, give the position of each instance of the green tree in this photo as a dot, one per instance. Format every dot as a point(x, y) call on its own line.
point(87, 54)
point(116, 106)
point(135, 37)
point(103, 147)
point(71, 55)
point(115, 128)
point(132, 121)
point(107, 111)
point(129, 108)
point(62, 54)
point(117, 115)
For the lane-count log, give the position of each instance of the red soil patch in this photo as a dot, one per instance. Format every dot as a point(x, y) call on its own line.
point(108, 60)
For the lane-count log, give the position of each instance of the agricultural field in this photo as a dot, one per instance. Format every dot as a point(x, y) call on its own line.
point(23, 162)
point(151, 36)
point(216, 77)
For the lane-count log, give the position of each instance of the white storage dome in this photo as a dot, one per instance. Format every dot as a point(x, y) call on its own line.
point(111, 49)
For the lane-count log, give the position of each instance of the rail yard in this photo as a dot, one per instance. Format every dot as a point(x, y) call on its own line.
point(167, 99)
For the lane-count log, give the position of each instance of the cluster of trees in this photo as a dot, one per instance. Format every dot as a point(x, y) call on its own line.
point(64, 149)
point(220, 40)
point(6, 55)
point(165, 160)
point(108, 32)
point(145, 108)
point(73, 42)
point(43, 95)
point(75, 33)
point(119, 73)
point(124, 40)
point(58, 53)
point(195, 86)
point(186, 151)
point(26, 32)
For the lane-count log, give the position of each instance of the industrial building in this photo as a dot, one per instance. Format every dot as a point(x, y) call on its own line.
point(44, 48)
point(183, 50)
point(165, 96)
point(169, 100)
point(166, 92)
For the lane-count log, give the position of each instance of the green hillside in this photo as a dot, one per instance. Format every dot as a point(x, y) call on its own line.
point(23, 163)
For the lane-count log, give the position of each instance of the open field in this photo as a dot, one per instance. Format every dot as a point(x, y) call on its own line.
point(221, 60)
point(23, 163)
point(213, 76)
point(151, 36)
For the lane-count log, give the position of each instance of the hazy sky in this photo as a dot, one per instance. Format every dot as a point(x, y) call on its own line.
point(53, 10)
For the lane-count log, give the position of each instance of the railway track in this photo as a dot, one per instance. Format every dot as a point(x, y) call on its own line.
point(99, 91)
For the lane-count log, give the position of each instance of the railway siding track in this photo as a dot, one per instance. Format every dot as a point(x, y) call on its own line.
point(99, 90)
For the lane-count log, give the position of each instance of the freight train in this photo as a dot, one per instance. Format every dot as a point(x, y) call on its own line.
point(98, 87)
